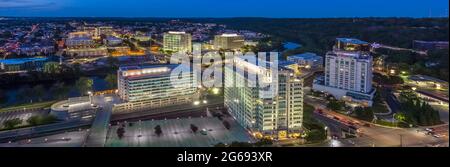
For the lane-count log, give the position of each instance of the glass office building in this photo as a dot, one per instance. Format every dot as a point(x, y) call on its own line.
point(277, 116)
point(146, 87)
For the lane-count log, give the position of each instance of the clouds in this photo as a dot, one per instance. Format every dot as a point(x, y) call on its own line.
point(28, 4)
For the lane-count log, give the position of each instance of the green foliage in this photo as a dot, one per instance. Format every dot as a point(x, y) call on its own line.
point(59, 91)
point(387, 80)
point(3, 97)
point(316, 129)
point(52, 68)
point(41, 120)
point(316, 135)
point(111, 79)
point(364, 114)
point(416, 111)
point(84, 85)
point(113, 62)
point(10, 124)
point(38, 92)
point(264, 142)
point(158, 130)
point(335, 105)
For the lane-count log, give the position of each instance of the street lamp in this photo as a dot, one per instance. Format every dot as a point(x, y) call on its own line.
point(90, 96)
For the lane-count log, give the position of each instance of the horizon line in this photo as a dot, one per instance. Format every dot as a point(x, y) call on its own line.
point(233, 17)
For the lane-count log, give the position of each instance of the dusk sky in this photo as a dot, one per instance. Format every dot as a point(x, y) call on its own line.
point(225, 8)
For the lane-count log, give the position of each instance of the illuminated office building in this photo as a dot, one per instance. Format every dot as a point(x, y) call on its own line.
point(147, 87)
point(79, 39)
point(278, 116)
point(228, 41)
point(177, 42)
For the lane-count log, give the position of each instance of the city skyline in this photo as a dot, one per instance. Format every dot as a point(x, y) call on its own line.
point(233, 8)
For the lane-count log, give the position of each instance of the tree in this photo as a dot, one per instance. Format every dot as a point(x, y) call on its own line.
point(194, 128)
point(84, 85)
point(400, 116)
point(227, 125)
point(38, 92)
point(23, 95)
point(158, 130)
point(52, 68)
point(3, 97)
point(364, 113)
point(111, 79)
point(417, 111)
point(113, 62)
point(59, 90)
point(264, 142)
point(41, 120)
point(33, 120)
point(120, 132)
point(10, 124)
point(335, 105)
point(316, 135)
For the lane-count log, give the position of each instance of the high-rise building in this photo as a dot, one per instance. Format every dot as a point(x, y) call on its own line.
point(177, 42)
point(280, 115)
point(147, 87)
point(228, 41)
point(348, 72)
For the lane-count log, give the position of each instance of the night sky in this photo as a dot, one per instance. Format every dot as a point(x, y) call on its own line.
point(225, 8)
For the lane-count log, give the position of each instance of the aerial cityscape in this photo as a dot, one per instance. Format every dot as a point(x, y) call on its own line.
point(219, 81)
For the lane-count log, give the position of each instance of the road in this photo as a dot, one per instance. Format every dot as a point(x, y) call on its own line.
point(376, 135)
point(41, 130)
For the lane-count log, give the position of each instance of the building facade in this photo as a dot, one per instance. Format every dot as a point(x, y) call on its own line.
point(177, 42)
point(229, 41)
point(79, 39)
point(307, 60)
point(348, 72)
point(279, 116)
point(148, 87)
point(22, 64)
point(87, 52)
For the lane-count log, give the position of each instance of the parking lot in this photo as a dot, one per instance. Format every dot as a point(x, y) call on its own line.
point(23, 115)
point(177, 133)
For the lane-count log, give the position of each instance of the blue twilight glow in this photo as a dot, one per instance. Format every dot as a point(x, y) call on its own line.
point(226, 8)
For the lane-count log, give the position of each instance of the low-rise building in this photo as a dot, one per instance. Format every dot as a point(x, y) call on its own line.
point(87, 52)
point(149, 87)
point(307, 60)
point(22, 64)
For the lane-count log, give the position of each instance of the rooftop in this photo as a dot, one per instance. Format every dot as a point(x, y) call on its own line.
point(21, 60)
point(177, 32)
point(306, 56)
point(352, 41)
point(229, 35)
point(150, 70)
point(425, 78)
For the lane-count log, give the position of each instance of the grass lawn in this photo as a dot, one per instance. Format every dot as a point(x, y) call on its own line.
point(40, 105)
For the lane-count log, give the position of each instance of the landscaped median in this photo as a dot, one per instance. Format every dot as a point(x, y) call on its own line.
point(32, 106)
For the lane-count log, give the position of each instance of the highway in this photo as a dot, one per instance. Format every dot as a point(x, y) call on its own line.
point(43, 130)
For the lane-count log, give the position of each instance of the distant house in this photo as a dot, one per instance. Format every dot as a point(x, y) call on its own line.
point(22, 64)
point(307, 60)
